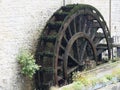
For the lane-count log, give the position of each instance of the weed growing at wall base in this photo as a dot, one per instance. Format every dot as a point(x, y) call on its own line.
point(27, 62)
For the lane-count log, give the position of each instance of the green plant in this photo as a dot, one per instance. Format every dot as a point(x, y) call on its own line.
point(77, 85)
point(103, 80)
point(115, 59)
point(94, 80)
point(116, 72)
point(109, 76)
point(27, 62)
point(74, 86)
point(83, 78)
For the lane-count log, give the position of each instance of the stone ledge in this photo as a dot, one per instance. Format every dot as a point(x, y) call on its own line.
point(99, 72)
point(111, 87)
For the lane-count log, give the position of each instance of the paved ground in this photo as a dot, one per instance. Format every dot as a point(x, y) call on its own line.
point(111, 87)
point(107, 69)
point(103, 70)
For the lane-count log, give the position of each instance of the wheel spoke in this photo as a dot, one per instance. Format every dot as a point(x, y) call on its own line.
point(85, 26)
point(59, 78)
point(93, 36)
point(89, 25)
point(63, 48)
point(69, 29)
point(78, 49)
point(93, 33)
point(79, 23)
point(65, 38)
point(74, 25)
point(75, 60)
point(95, 26)
point(89, 31)
point(83, 50)
point(72, 69)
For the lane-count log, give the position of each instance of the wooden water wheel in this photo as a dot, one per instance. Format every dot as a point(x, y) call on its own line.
point(71, 36)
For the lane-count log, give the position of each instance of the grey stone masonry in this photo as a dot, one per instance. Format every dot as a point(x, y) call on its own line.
point(112, 87)
point(21, 22)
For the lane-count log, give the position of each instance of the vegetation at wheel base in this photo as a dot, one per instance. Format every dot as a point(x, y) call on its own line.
point(27, 62)
point(115, 59)
point(83, 81)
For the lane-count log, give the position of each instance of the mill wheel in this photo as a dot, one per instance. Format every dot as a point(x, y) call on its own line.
point(73, 36)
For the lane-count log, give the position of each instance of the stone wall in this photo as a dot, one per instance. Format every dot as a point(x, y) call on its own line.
point(115, 21)
point(21, 22)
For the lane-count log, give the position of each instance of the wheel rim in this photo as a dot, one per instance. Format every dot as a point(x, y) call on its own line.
point(72, 29)
point(75, 58)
